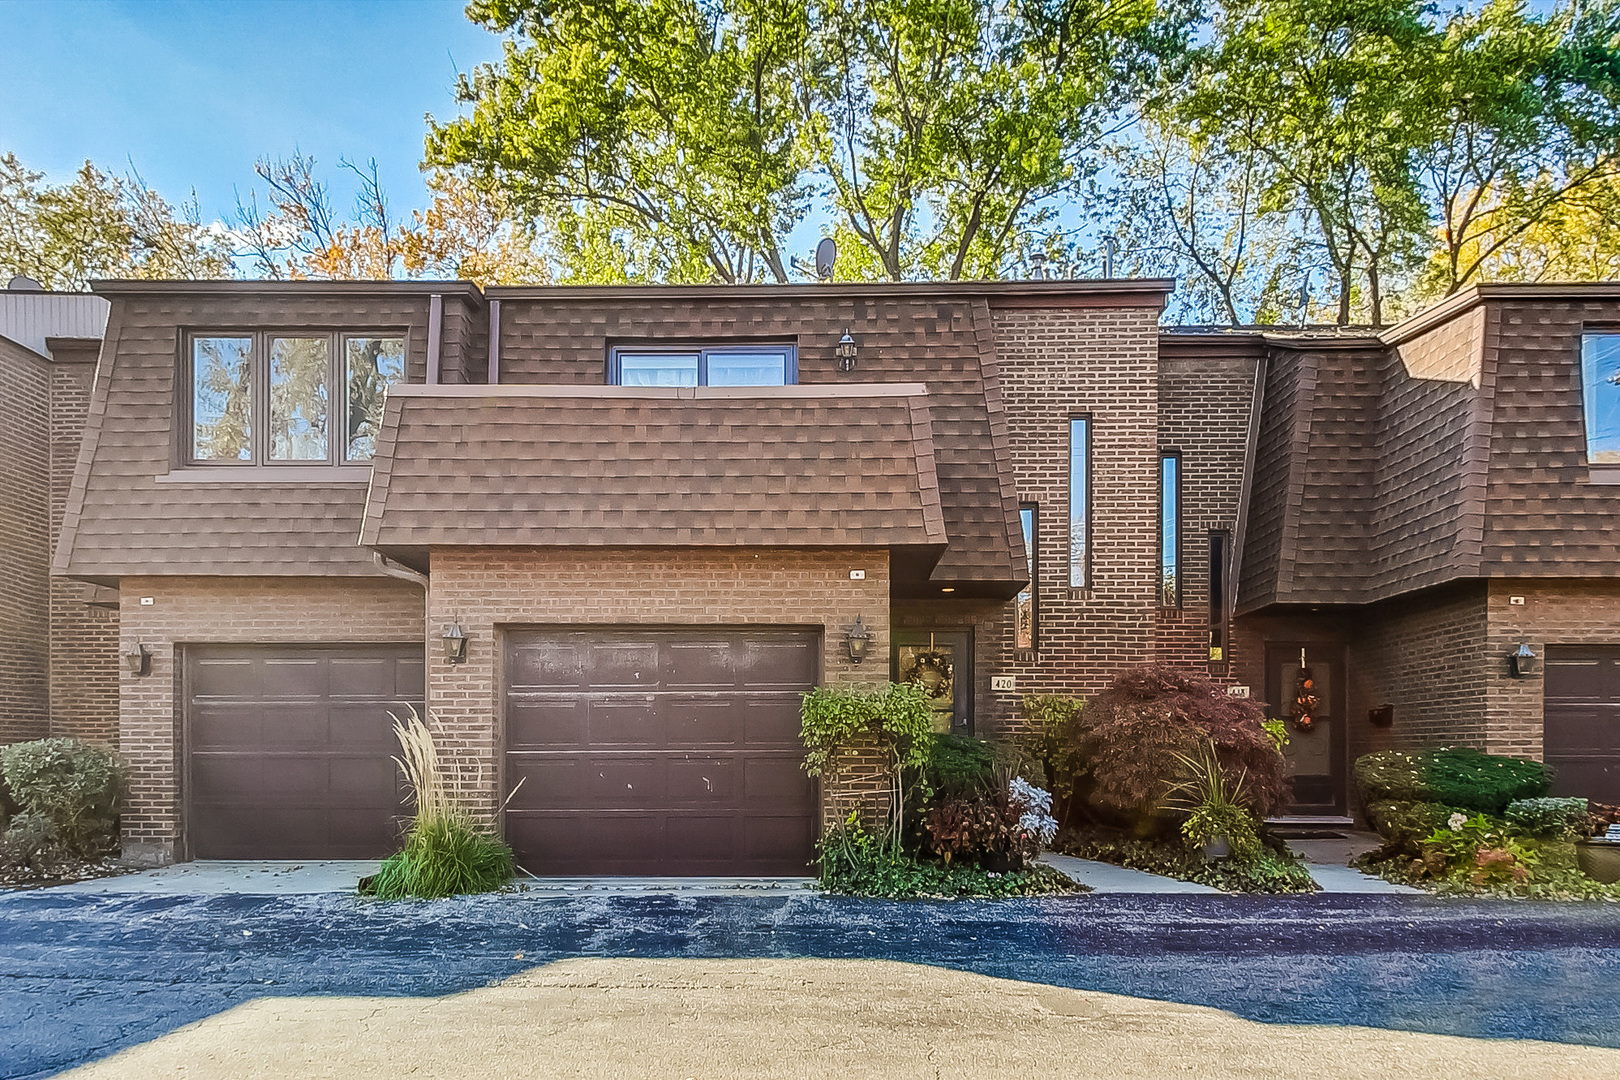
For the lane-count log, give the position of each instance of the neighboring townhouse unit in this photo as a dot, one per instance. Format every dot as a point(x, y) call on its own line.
point(608, 536)
point(58, 672)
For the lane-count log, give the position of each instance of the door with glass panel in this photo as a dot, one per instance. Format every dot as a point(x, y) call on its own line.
point(1305, 689)
point(940, 662)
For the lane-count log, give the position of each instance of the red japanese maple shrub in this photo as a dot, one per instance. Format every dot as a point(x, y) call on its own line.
point(1131, 740)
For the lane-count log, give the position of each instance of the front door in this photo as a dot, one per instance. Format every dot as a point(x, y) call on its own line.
point(941, 662)
point(1309, 699)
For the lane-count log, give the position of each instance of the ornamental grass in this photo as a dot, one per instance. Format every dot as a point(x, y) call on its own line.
point(446, 852)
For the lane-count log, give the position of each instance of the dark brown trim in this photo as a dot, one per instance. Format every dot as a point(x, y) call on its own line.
point(1137, 292)
point(125, 287)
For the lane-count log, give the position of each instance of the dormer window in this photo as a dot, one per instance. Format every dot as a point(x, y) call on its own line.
point(704, 365)
point(1600, 386)
point(267, 397)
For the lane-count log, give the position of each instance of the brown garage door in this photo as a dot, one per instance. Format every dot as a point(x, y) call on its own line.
point(1583, 720)
point(659, 751)
point(290, 749)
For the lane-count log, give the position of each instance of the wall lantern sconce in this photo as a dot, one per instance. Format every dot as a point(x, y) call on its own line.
point(455, 644)
point(845, 351)
point(859, 640)
point(1523, 662)
point(138, 659)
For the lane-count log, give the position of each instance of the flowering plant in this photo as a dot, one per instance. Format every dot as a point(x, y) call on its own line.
point(1036, 805)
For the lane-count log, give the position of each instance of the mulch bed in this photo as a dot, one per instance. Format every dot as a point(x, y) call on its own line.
point(42, 875)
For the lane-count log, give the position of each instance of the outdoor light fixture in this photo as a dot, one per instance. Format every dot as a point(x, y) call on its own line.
point(1523, 661)
point(859, 640)
point(455, 644)
point(137, 659)
point(846, 352)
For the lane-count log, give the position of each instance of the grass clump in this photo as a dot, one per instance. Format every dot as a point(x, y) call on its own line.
point(446, 852)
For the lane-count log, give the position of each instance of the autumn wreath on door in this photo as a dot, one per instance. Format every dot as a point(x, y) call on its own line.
point(1302, 711)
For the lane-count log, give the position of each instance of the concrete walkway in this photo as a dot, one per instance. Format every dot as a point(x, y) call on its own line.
point(290, 878)
point(1108, 878)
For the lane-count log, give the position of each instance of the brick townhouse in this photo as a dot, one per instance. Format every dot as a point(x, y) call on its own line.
point(609, 535)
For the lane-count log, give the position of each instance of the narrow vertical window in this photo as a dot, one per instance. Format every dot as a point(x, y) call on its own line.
point(1079, 502)
point(1600, 388)
point(1024, 620)
point(374, 364)
point(299, 398)
point(222, 399)
point(1169, 531)
point(1217, 597)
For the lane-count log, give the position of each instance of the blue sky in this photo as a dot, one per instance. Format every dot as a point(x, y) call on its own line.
point(193, 93)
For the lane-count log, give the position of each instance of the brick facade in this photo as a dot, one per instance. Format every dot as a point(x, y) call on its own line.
point(83, 617)
point(25, 381)
point(196, 610)
point(1103, 364)
point(487, 590)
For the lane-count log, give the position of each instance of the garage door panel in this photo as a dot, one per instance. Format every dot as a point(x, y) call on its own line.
point(621, 720)
point(616, 664)
point(710, 720)
point(699, 664)
point(778, 839)
point(700, 781)
point(548, 782)
point(659, 781)
point(786, 665)
point(549, 665)
point(234, 676)
point(546, 720)
point(299, 677)
point(290, 749)
point(779, 781)
point(355, 725)
point(772, 720)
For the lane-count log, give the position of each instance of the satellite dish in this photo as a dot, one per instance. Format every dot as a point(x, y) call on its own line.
point(22, 283)
point(826, 255)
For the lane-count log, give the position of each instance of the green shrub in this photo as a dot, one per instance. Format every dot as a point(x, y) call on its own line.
point(1405, 825)
point(1457, 776)
point(1053, 732)
point(1391, 776)
point(1133, 739)
point(443, 858)
point(72, 788)
point(958, 765)
point(1463, 776)
point(1545, 817)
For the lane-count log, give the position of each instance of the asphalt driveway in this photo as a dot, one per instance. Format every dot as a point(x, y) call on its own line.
point(82, 976)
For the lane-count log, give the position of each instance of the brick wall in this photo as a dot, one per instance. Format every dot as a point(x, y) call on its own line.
point(186, 610)
point(83, 638)
point(1205, 401)
point(25, 542)
point(1100, 362)
point(488, 589)
point(1426, 655)
point(1553, 613)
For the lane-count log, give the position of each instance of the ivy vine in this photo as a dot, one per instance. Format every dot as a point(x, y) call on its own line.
point(897, 717)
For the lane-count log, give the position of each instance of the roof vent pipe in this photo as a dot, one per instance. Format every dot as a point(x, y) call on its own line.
point(1108, 258)
point(1037, 265)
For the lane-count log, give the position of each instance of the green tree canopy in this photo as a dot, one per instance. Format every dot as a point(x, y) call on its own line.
point(684, 139)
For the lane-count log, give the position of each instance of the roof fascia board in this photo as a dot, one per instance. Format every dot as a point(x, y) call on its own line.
point(1124, 292)
point(660, 393)
point(124, 287)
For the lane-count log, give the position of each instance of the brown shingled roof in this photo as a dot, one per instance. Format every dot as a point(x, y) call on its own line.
point(800, 466)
